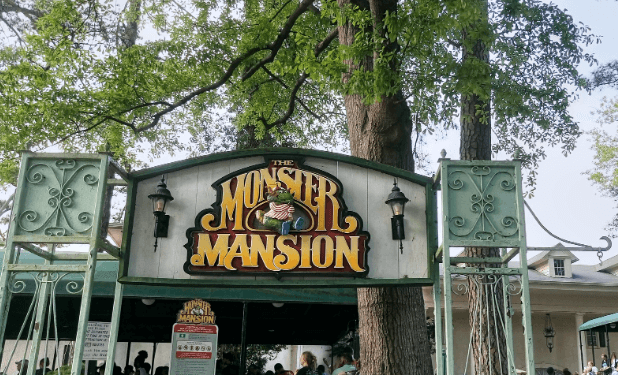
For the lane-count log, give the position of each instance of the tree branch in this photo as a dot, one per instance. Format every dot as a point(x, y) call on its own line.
point(301, 80)
point(291, 105)
point(276, 45)
point(273, 47)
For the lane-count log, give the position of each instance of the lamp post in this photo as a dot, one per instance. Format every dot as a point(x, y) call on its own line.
point(397, 201)
point(549, 332)
point(159, 200)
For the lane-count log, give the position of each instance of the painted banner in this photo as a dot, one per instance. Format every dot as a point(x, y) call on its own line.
point(278, 217)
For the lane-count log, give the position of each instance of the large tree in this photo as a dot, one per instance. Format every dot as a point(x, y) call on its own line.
point(149, 75)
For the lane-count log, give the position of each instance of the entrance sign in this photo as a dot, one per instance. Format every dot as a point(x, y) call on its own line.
point(274, 217)
point(97, 340)
point(279, 218)
point(194, 345)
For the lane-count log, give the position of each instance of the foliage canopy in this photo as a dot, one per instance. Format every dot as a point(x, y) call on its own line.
point(143, 75)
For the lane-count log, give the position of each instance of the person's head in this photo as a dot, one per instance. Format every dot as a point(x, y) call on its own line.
point(142, 354)
point(278, 368)
point(321, 369)
point(269, 372)
point(566, 372)
point(309, 360)
point(604, 357)
point(128, 370)
point(22, 364)
point(345, 358)
point(146, 367)
point(550, 371)
point(613, 355)
point(44, 362)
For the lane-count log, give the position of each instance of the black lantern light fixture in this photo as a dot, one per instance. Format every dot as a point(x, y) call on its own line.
point(397, 201)
point(159, 200)
point(549, 332)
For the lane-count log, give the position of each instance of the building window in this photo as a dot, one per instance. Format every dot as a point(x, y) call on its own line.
point(595, 339)
point(591, 339)
point(559, 267)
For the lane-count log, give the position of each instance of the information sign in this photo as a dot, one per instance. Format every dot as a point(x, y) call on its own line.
point(97, 340)
point(194, 349)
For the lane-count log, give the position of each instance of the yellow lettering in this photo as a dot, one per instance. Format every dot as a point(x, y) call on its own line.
point(328, 251)
point(205, 250)
point(321, 202)
point(309, 188)
point(264, 252)
point(240, 249)
point(289, 258)
point(350, 253)
point(305, 251)
point(231, 205)
point(267, 178)
point(253, 183)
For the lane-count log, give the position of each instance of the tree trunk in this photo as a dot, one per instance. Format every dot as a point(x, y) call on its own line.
point(485, 299)
point(392, 324)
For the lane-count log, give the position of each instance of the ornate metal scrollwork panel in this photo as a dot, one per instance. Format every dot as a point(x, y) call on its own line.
point(481, 203)
point(59, 197)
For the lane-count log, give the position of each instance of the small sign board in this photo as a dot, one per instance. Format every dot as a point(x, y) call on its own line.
point(97, 340)
point(194, 343)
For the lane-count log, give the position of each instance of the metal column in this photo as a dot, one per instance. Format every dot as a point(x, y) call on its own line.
point(113, 331)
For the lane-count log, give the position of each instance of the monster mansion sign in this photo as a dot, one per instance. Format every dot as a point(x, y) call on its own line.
point(279, 217)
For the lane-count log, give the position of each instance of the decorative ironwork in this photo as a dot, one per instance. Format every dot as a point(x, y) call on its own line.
point(60, 197)
point(489, 317)
point(54, 279)
point(513, 288)
point(488, 214)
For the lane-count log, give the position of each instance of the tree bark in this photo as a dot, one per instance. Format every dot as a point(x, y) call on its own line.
point(488, 340)
point(392, 324)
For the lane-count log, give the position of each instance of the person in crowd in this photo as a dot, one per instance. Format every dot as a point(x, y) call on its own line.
point(613, 361)
point(605, 365)
point(345, 363)
point(228, 365)
point(269, 372)
point(566, 372)
point(162, 370)
point(128, 370)
point(145, 369)
point(139, 361)
point(279, 370)
point(550, 371)
point(321, 370)
point(254, 370)
point(309, 363)
point(22, 367)
point(592, 369)
point(43, 364)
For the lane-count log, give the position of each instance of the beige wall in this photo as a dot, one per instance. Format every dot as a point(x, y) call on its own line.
point(563, 302)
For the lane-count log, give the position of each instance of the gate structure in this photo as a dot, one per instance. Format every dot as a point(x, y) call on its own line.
point(60, 199)
point(483, 207)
